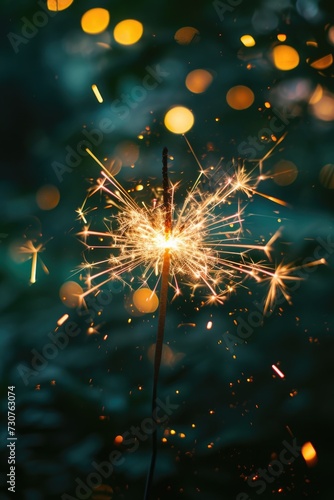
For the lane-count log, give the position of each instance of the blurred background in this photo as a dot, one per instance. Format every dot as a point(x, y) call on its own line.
point(256, 79)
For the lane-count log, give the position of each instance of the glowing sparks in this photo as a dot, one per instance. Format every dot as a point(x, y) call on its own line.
point(32, 250)
point(97, 93)
point(206, 243)
point(278, 371)
point(62, 320)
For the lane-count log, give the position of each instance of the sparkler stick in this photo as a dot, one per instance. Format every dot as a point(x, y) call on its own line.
point(162, 316)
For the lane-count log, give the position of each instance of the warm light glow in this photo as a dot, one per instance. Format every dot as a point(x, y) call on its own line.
point(97, 93)
point(168, 357)
point(128, 32)
point(285, 57)
point(179, 120)
point(198, 80)
point(95, 21)
point(326, 176)
point(330, 35)
point(205, 248)
point(70, 294)
point(62, 320)
point(317, 94)
point(323, 109)
point(285, 172)
point(309, 454)
point(240, 97)
point(278, 371)
point(57, 5)
point(323, 62)
point(127, 152)
point(281, 37)
point(47, 197)
point(247, 40)
point(145, 300)
point(186, 35)
point(118, 440)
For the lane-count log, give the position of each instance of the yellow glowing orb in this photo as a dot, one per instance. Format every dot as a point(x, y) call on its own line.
point(240, 97)
point(70, 293)
point(198, 80)
point(128, 32)
point(95, 21)
point(186, 35)
point(247, 40)
point(57, 5)
point(179, 120)
point(285, 57)
point(47, 197)
point(309, 454)
point(145, 300)
point(285, 172)
point(326, 176)
point(281, 37)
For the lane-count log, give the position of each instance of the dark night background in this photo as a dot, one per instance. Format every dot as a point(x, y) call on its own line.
point(234, 411)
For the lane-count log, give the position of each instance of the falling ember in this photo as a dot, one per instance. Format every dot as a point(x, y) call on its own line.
point(97, 93)
point(62, 320)
point(118, 440)
point(278, 371)
point(209, 325)
point(309, 454)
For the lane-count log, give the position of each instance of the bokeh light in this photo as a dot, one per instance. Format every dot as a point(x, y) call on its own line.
point(321, 63)
point(198, 80)
point(285, 57)
point(127, 152)
point(70, 294)
point(317, 94)
point(179, 120)
point(186, 35)
point(57, 5)
point(247, 40)
point(47, 197)
point(309, 454)
point(240, 97)
point(326, 176)
point(95, 21)
point(168, 357)
point(285, 172)
point(145, 300)
point(118, 440)
point(323, 109)
point(281, 37)
point(128, 32)
point(330, 35)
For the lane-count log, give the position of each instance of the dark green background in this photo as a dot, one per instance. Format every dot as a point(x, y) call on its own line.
point(59, 430)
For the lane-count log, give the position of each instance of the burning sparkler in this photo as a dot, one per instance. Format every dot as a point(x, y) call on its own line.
point(205, 248)
point(201, 244)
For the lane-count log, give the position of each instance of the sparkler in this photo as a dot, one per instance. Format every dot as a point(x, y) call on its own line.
point(194, 243)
